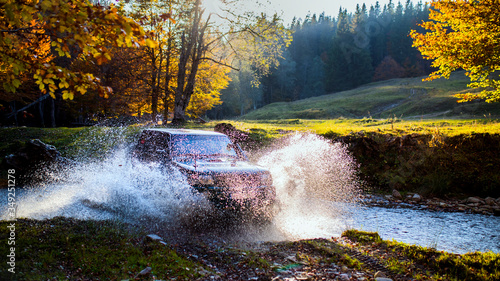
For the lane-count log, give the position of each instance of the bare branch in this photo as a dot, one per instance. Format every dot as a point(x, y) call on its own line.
point(220, 63)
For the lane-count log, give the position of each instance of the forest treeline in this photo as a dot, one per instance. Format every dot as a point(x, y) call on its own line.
point(330, 54)
point(169, 61)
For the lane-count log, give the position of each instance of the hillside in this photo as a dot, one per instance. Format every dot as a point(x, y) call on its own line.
point(405, 98)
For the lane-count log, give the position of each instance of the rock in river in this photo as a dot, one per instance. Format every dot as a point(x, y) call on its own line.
point(396, 194)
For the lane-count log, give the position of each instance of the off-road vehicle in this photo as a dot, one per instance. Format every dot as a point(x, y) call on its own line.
point(212, 164)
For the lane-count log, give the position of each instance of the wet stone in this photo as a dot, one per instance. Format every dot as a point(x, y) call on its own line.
point(396, 194)
point(490, 201)
point(474, 200)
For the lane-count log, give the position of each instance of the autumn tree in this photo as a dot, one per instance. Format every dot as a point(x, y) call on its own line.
point(168, 69)
point(211, 79)
point(153, 15)
point(75, 29)
point(388, 69)
point(257, 39)
point(464, 34)
point(125, 74)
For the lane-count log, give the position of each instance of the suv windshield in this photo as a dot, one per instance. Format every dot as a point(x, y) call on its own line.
point(187, 145)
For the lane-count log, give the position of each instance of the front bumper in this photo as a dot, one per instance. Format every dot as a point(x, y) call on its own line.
point(223, 197)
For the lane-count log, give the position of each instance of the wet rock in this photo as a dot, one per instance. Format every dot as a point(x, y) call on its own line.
point(379, 274)
point(383, 279)
point(474, 200)
point(32, 153)
point(234, 134)
point(396, 194)
point(490, 201)
point(145, 271)
point(34, 160)
point(154, 237)
point(416, 198)
point(344, 276)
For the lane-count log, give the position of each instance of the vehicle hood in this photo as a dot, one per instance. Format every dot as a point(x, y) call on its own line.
point(218, 166)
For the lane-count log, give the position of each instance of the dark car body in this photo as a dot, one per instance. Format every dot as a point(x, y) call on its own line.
point(212, 164)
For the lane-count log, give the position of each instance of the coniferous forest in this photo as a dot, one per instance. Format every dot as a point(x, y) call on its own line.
point(334, 53)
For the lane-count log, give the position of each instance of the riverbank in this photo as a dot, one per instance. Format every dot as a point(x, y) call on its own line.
point(432, 165)
point(65, 248)
point(472, 205)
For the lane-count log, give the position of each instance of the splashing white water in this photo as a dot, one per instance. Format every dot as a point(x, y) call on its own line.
point(116, 187)
point(315, 184)
point(314, 181)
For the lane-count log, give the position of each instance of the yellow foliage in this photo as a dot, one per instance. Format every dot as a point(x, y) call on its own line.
point(31, 27)
point(464, 34)
point(211, 79)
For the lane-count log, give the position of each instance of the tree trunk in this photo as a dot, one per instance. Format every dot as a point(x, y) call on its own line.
point(52, 113)
point(40, 110)
point(154, 91)
point(192, 49)
point(13, 107)
point(168, 78)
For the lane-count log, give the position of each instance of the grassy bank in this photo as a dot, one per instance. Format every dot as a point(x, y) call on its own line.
point(425, 263)
point(270, 129)
point(68, 249)
point(72, 141)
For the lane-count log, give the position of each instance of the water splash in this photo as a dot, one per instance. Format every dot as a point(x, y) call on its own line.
point(315, 184)
point(315, 180)
point(114, 188)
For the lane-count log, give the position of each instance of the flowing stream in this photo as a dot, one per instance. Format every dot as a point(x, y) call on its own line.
point(316, 185)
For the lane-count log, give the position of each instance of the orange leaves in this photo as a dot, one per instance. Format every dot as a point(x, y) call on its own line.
point(73, 28)
point(463, 35)
point(167, 16)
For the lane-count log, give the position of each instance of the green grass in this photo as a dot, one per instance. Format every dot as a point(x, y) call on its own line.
point(92, 141)
point(68, 249)
point(71, 142)
point(410, 98)
point(404, 258)
point(271, 129)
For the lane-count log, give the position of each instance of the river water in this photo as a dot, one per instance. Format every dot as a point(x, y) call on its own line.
point(309, 174)
point(451, 232)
